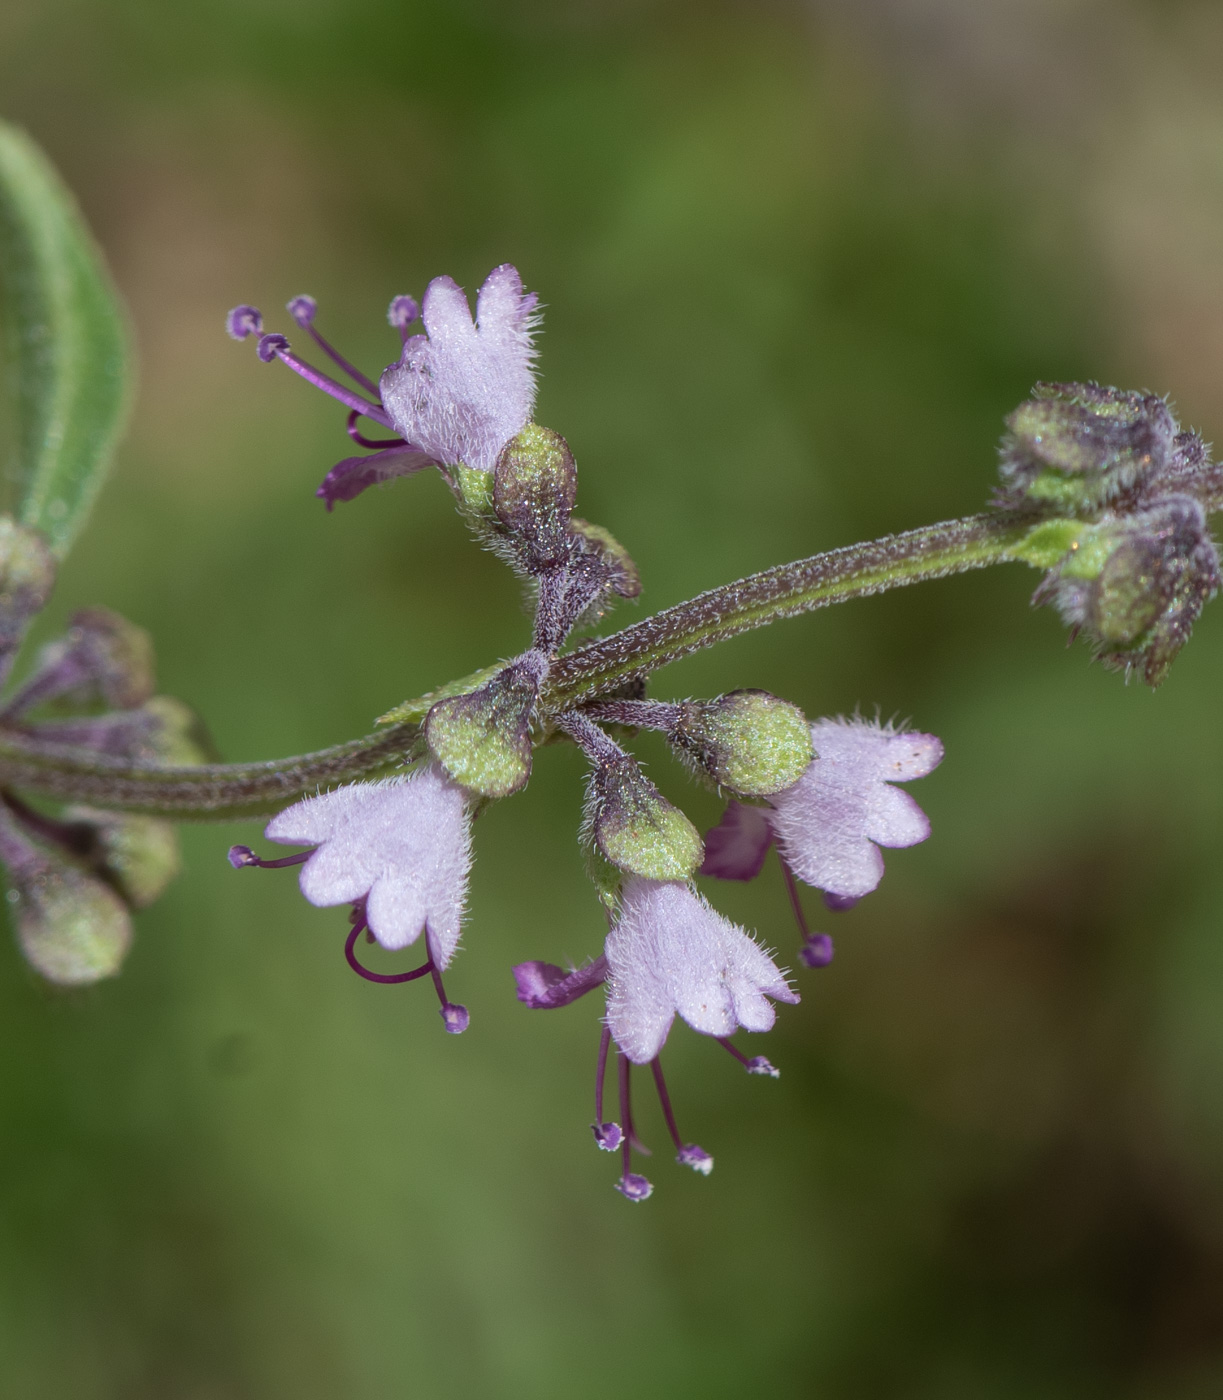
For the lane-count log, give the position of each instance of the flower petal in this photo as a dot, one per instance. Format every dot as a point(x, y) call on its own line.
point(735, 849)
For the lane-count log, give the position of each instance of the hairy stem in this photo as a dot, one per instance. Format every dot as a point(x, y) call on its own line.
point(854, 572)
point(218, 791)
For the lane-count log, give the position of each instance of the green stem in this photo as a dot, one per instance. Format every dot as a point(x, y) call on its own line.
point(219, 791)
point(213, 791)
point(952, 547)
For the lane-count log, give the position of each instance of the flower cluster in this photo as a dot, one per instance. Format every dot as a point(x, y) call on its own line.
point(398, 851)
point(1122, 495)
point(75, 875)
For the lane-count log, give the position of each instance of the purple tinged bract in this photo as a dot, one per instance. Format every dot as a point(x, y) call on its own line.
point(403, 845)
point(671, 953)
point(465, 387)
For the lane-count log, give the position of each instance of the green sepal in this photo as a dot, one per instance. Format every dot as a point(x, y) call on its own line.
point(637, 829)
point(72, 928)
point(483, 740)
point(415, 710)
point(534, 487)
point(623, 577)
point(749, 742)
point(1048, 543)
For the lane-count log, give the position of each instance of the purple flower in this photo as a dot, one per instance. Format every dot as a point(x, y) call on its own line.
point(830, 824)
point(670, 953)
point(461, 391)
point(403, 846)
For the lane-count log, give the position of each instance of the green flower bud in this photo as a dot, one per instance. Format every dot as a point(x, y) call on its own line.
point(749, 741)
point(72, 928)
point(534, 487)
point(1073, 448)
point(483, 739)
point(636, 829)
point(138, 856)
point(1135, 584)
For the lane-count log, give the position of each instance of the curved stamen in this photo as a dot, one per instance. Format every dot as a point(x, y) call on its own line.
point(370, 442)
point(275, 346)
point(239, 856)
point(350, 952)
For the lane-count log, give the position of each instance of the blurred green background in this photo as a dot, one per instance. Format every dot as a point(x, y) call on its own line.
point(798, 260)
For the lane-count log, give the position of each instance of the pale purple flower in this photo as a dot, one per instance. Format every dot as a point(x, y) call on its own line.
point(830, 824)
point(670, 953)
point(403, 846)
point(462, 390)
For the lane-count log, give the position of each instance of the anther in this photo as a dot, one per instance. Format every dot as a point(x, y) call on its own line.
point(756, 1064)
point(240, 856)
point(402, 312)
point(270, 346)
point(816, 950)
point(695, 1157)
point(303, 310)
point(607, 1135)
point(454, 1017)
point(243, 321)
point(634, 1187)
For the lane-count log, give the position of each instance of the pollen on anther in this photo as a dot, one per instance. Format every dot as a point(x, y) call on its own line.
point(303, 310)
point(243, 321)
point(402, 311)
point(271, 345)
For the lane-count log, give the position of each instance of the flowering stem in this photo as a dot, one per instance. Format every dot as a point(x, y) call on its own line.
point(856, 571)
point(221, 791)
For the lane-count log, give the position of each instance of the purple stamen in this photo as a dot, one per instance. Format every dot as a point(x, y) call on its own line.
point(358, 437)
point(350, 952)
point(243, 321)
point(401, 313)
point(607, 1135)
point(303, 310)
point(240, 856)
point(275, 346)
point(688, 1154)
point(817, 950)
point(544, 986)
point(454, 1017)
point(631, 1185)
point(756, 1064)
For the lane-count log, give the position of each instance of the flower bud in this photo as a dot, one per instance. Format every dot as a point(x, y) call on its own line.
point(483, 739)
point(749, 741)
point(102, 659)
point(534, 487)
point(138, 856)
point(72, 928)
point(636, 828)
point(27, 575)
point(1135, 584)
point(1073, 448)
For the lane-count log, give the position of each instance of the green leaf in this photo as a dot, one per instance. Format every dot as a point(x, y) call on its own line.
point(67, 347)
